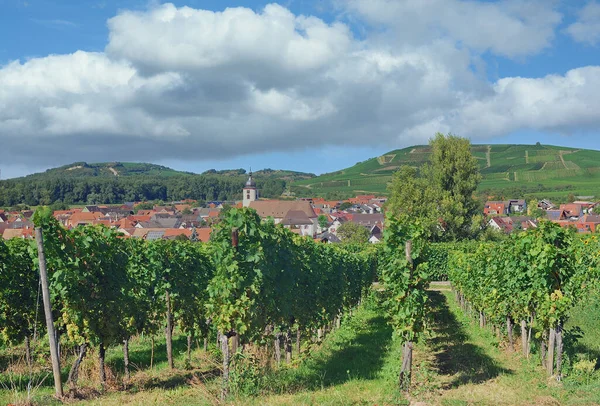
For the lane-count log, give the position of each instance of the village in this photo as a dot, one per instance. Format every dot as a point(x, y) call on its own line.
point(315, 217)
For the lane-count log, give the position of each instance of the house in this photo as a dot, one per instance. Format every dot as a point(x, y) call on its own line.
point(557, 215)
point(361, 199)
point(374, 239)
point(335, 224)
point(166, 220)
point(573, 210)
point(279, 209)
point(495, 208)
point(173, 233)
point(546, 205)
point(27, 233)
point(508, 224)
point(3, 217)
point(376, 233)
point(83, 218)
point(368, 220)
point(328, 238)
point(588, 223)
point(517, 206)
point(299, 220)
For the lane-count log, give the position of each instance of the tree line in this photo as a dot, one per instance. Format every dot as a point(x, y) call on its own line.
point(98, 190)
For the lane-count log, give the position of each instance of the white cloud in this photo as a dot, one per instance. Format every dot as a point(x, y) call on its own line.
point(237, 39)
point(180, 83)
point(560, 104)
point(511, 28)
point(587, 27)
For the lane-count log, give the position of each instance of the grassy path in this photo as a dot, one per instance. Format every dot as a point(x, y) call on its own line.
point(462, 364)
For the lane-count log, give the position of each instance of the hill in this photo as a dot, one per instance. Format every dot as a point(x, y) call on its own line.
point(107, 169)
point(518, 170)
point(117, 182)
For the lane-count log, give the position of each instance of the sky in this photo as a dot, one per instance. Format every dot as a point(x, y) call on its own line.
point(308, 85)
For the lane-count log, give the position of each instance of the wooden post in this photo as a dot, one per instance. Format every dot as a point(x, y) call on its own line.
point(298, 337)
point(152, 354)
point(406, 369)
point(509, 331)
point(102, 370)
point(559, 350)
point(189, 349)
point(223, 337)
point(225, 350)
point(550, 356)
point(524, 341)
point(126, 359)
point(169, 331)
point(288, 346)
point(48, 312)
point(277, 344)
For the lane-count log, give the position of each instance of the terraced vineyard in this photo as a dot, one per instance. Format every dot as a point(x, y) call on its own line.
point(542, 170)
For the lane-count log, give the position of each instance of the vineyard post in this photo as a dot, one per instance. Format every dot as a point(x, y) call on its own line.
point(298, 337)
point(224, 336)
point(559, 350)
point(524, 342)
point(48, 312)
point(509, 332)
point(405, 371)
point(169, 331)
point(550, 356)
point(126, 359)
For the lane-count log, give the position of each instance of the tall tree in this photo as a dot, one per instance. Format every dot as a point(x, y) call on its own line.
point(440, 193)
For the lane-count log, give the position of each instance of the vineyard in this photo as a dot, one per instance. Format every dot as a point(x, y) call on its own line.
point(270, 307)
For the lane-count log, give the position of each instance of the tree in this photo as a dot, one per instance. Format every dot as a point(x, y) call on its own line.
point(345, 206)
point(353, 233)
point(440, 193)
point(323, 223)
point(534, 211)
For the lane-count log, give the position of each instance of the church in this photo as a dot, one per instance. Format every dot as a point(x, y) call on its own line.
point(297, 215)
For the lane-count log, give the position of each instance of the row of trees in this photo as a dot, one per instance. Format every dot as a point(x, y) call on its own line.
point(533, 279)
point(253, 281)
point(98, 190)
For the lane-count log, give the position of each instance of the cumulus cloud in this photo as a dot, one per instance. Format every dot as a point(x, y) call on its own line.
point(587, 27)
point(511, 28)
point(182, 83)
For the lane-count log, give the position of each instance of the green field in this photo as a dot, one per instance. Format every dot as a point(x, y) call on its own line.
point(535, 170)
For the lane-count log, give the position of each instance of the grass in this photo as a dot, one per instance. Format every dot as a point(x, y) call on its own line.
point(458, 363)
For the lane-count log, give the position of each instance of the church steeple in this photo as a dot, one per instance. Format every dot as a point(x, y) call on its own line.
point(250, 192)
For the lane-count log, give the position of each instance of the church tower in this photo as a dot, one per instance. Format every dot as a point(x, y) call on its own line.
point(250, 191)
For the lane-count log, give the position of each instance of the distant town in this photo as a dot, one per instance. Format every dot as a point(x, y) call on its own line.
point(313, 217)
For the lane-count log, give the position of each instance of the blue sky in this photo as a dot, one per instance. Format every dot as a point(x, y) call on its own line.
point(306, 85)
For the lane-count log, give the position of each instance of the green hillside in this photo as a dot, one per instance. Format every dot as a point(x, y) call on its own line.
point(117, 169)
point(535, 170)
point(108, 170)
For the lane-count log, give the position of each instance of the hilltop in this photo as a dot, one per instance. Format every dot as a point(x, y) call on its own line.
point(107, 169)
point(116, 169)
point(544, 170)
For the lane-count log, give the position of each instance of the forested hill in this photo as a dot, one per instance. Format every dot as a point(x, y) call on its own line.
point(117, 182)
